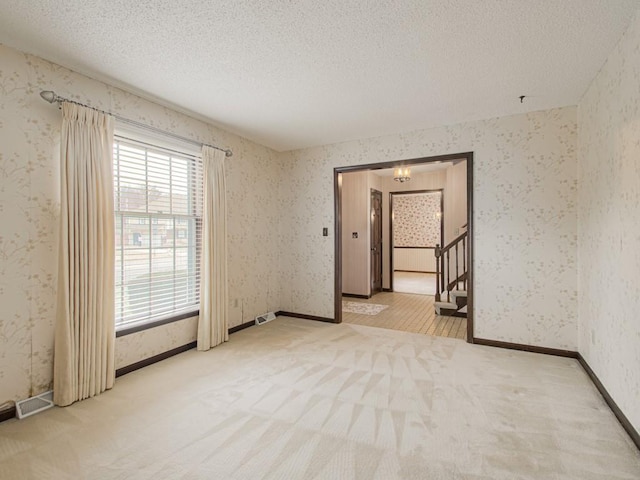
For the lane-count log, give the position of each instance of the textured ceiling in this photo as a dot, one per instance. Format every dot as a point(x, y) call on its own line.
point(296, 74)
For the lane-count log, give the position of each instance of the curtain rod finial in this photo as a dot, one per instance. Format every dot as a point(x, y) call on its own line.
point(49, 96)
point(228, 153)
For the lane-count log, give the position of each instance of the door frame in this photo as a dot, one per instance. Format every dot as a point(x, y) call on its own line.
point(391, 244)
point(372, 191)
point(337, 195)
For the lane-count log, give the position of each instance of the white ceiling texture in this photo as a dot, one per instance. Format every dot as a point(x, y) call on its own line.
point(292, 74)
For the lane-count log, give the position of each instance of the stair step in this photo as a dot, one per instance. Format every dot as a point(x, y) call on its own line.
point(458, 293)
point(450, 309)
point(459, 297)
point(448, 306)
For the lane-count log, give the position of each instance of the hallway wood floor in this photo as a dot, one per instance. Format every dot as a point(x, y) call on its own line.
point(408, 313)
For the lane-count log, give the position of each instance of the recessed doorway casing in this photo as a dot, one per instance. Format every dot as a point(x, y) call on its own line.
point(338, 171)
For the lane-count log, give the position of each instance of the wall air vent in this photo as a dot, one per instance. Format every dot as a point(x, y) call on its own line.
point(30, 406)
point(267, 317)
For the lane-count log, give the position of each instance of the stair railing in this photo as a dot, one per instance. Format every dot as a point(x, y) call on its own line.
point(444, 281)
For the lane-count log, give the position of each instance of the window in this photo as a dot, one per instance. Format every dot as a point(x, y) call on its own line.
point(158, 216)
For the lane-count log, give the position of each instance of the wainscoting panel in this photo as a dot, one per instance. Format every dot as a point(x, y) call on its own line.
point(414, 259)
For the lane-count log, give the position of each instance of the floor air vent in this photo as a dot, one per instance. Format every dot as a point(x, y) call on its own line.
point(267, 317)
point(30, 406)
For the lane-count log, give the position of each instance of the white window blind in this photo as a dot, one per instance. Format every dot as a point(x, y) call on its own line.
point(158, 216)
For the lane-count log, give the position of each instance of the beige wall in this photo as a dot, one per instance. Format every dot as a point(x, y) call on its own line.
point(29, 205)
point(356, 186)
point(421, 181)
point(453, 181)
point(414, 259)
point(525, 221)
point(609, 224)
point(455, 201)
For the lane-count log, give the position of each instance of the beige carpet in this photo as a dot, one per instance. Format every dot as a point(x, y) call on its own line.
point(297, 399)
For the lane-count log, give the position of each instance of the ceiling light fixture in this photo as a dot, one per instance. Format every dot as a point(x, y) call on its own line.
point(402, 174)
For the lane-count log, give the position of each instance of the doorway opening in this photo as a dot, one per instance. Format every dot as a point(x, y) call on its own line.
point(416, 229)
point(358, 248)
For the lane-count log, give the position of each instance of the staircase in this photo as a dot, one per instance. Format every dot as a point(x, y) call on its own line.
point(452, 278)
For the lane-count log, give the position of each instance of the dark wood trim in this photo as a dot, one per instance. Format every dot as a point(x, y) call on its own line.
point(410, 192)
point(353, 295)
point(414, 271)
point(446, 248)
point(620, 416)
point(624, 421)
point(387, 290)
point(242, 326)
point(411, 161)
point(337, 195)
point(526, 348)
point(156, 323)
point(337, 201)
point(155, 359)
point(391, 247)
point(421, 248)
point(7, 414)
point(174, 351)
point(307, 317)
point(471, 240)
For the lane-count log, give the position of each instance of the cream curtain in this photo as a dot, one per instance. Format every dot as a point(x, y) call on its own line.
point(85, 328)
point(212, 324)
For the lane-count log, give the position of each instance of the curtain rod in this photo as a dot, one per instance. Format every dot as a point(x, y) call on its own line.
point(51, 97)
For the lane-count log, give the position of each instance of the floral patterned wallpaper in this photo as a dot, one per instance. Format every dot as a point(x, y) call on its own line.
point(609, 224)
point(29, 204)
point(524, 219)
point(415, 220)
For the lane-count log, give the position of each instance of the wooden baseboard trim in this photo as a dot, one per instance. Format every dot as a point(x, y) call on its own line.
point(155, 359)
point(624, 421)
point(175, 351)
point(305, 317)
point(7, 414)
point(355, 295)
point(526, 348)
point(387, 290)
point(620, 416)
point(237, 328)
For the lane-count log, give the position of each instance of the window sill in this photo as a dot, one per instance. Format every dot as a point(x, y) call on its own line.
point(129, 329)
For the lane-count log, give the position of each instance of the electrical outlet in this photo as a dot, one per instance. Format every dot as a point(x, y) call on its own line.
point(354, 235)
